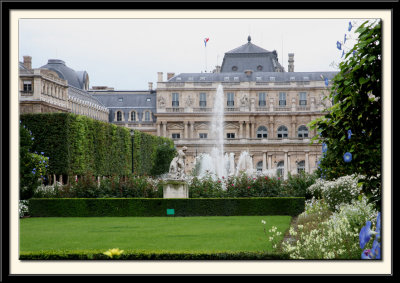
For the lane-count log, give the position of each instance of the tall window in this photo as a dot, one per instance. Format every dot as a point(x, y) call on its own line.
point(280, 169)
point(202, 135)
point(230, 135)
point(27, 86)
point(230, 99)
point(301, 166)
point(259, 166)
point(119, 116)
point(302, 132)
point(203, 100)
point(133, 116)
point(147, 116)
point(262, 132)
point(282, 98)
point(262, 99)
point(176, 136)
point(282, 132)
point(302, 98)
point(175, 99)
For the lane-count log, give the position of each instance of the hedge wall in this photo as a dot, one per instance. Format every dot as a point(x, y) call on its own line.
point(161, 255)
point(85, 207)
point(77, 144)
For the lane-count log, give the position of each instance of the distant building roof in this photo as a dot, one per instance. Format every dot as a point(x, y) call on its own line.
point(127, 99)
point(74, 78)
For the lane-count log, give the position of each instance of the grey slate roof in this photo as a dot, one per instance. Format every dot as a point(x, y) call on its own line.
point(74, 78)
point(250, 57)
point(131, 99)
point(255, 76)
point(77, 93)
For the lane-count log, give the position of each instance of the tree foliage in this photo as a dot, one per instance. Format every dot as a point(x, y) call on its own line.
point(356, 96)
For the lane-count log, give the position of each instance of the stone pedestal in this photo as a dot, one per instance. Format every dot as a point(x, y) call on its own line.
point(175, 189)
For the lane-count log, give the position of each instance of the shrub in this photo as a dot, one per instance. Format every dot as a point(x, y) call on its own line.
point(342, 190)
point(337, 237)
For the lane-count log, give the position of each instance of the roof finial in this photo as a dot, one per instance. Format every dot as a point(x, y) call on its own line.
point(249, 38)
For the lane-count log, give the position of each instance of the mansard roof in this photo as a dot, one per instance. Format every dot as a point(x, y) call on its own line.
point(130, 99)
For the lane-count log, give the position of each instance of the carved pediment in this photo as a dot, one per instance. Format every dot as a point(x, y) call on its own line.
point(201, 126)
point(231, 126)
point(175, 126)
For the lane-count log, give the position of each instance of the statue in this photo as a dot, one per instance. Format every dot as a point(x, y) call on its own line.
point(177, 166)
point(189, 101)
point(161, 102)
point(244, 101)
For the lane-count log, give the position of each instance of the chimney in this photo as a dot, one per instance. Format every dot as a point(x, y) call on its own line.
point(150, 86)
point(170, 75)
point(291, 61)
point(217, 69)
point(28, 62)
point(160, 76)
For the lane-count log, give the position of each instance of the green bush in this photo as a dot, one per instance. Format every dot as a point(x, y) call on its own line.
point(86, 207)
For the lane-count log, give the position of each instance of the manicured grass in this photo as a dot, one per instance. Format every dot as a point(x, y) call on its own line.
point(205, 234)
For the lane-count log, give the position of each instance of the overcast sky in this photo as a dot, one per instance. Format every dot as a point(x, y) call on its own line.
point(127, 53)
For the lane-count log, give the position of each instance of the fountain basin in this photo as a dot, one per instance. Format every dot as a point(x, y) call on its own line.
point(175, 189)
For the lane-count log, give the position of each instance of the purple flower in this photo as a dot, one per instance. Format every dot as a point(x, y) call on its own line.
point(326, 81)
point(376, 249)
point(324, 147)
point(344, 38)
point(349, 133)
point(339, 45)
point(41, 152)
point(366, 254)
point(32, 138)
point(350, 26)
point(347, 157)
point(342, 54)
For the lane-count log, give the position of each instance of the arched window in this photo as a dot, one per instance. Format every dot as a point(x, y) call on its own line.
point(302, 132)
point(119, 116)
point(262, 132)
point(280, 168)
point(282, 132)
point(259, 166)
point(133, 116)
point(147, 116)
point(301, 166)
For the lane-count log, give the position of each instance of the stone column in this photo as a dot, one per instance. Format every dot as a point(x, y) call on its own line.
point(269, 161)
point(241, 129)
point(306, 165)
point(252, 130)
point(288, 166)
point(164, 129)
point(191, 134)
point(264, 168)
point(247, 130)
point(158, 129)
point(185, 133)
point(285, 166)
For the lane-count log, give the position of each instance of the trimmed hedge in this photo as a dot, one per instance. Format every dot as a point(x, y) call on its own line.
point(162, 255)
point(120, 207)
point(77, 144)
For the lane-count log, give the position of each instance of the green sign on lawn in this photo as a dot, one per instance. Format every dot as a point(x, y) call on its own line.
point(170, 211)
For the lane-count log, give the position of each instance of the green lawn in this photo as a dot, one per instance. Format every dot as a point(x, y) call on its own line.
point(206, 234)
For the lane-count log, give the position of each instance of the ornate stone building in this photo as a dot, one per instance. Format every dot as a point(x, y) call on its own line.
point(55, 87)
point(266, 109)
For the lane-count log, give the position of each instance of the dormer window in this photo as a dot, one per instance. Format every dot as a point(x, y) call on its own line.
point(234, 68)
point(259, 68)
point(292, 78)
point(272, 79)
point(226, 79)
point(148, 99)
point(202, 78)
point(179, 79)
point(236, 79)
point(190, 78)
point(258, 79)
point(306, 78)
point(120, 99)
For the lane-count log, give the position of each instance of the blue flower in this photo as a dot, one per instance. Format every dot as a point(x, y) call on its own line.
point(41, 152)
point(349, 133)
point(32, 138)
point(366, 254)
point(324, 147)
point(376, 249)
point(339, 45)
point(350, 26)
point(342, 54)
point(347, 157)
point(365, 234)
point(344, 38)
point(326, 81)
point(354, 53)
